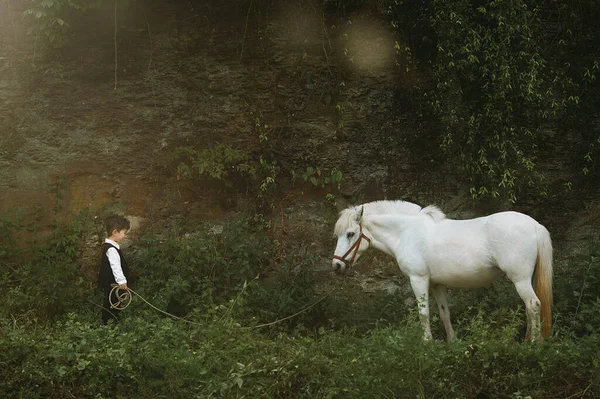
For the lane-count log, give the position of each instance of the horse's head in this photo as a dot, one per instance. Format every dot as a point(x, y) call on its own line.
point(351, 239)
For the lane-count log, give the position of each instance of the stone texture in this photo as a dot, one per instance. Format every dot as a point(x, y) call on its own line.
point(326, 93)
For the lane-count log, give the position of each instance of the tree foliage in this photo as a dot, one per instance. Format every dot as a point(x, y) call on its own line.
point(496, 84)
point(50, 18)
point(489, 94)
point(572, 45)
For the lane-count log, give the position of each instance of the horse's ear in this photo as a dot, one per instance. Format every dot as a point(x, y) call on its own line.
point(359, 215)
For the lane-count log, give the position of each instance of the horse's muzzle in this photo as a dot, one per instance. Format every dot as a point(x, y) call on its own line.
point(338, 266)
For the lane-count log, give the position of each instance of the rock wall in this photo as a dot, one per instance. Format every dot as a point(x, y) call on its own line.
point(326, 93)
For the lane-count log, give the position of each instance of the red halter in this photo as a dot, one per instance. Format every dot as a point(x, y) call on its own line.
point(354, 248)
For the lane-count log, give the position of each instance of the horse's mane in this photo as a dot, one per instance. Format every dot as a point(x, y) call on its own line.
point(385, 207)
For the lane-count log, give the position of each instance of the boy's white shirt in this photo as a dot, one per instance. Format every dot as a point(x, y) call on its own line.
point(115, 262)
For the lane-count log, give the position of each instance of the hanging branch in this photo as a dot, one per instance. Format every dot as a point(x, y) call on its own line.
point(150, 75)
point(245, 31)
point(325, 35)
point(12, 21)
point(115, 40)
point(149, 35)
point(37, 34)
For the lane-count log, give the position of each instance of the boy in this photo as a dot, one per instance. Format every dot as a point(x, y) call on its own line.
point(113, 267)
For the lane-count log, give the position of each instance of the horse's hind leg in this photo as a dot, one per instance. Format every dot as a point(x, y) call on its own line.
point(532, 308)
point(440, 293)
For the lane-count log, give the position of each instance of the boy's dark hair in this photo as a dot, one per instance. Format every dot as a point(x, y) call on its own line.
point(116, 222)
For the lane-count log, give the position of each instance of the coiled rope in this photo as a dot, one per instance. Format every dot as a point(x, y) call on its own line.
point(124, 297)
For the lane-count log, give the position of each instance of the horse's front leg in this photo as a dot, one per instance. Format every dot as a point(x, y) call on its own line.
point(420, 286)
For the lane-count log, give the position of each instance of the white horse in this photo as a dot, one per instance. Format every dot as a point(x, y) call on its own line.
point(436, 252)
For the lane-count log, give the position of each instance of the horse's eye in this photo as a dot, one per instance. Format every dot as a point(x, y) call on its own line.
point(350, 235)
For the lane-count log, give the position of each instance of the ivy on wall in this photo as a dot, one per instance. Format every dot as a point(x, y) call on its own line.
point(499, 75)
point(495, 77)
point(490, 93)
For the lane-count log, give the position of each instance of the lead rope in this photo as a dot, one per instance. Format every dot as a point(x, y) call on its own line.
point(124, 298)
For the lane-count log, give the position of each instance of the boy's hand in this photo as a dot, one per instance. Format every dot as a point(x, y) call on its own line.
point(123, 286)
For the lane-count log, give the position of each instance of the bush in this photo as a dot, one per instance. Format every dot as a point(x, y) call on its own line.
point(74, 359)
point(288, 289)
point(203, 269)
point(148, 359)
point(348, 346)
point(44, 281)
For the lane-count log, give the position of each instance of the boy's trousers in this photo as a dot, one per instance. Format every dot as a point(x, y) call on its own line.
point(107, 312)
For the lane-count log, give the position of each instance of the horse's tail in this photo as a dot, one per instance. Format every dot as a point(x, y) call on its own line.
point(542, 278)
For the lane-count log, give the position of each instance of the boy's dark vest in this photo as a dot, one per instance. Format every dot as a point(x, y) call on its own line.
point(105, 277)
